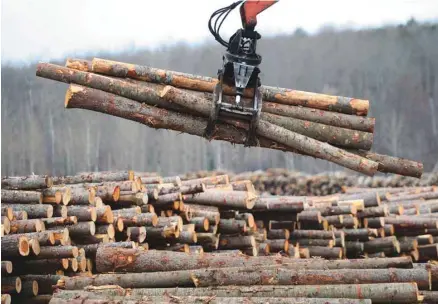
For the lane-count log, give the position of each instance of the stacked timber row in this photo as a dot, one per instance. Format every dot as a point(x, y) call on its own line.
point(333, 128)
point(197, 238)
point(283, 182)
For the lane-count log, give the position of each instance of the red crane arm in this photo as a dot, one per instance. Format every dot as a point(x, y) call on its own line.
point(250, 9)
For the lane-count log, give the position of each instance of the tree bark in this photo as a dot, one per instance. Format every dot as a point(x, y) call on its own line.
point(377, 293)
point(282, 276)
point(280, 203)
point(82, 229)
point(23, 226)
point(11, 285)
point(59, 221)
point(336, 136)
point(227, 199)
point(304, 144)
point(201, 223)
point(48, 266)
point(83, 213)
point(236, 242)
point(412, 222)
point(312, 234)
point(95, 177)
point(184, 189)
point(34, 211)
point(31, 182)
point(57, 252)
point(206, 84)
point(21, 197)
point(232, 226)
point(29, 288)
point(44, 238)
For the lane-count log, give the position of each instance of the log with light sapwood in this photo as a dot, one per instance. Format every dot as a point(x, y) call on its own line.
point(210, 212)
point(184, 189)
point(278, 234)
point(31, 182)
point(7, 211)
point(47, 266)
point(161, 233)
point(6, 225)
point(201, 223)
point(280, 203)
point(376, 245)
point(83, 213)
point(60, 211)
point(325, 252)
point(412, 222)
point(59, 221)
point(379, 211)
point(82, 196)
point(175, 221)
point(232, 226)
point(206, 84)
point(305, 144)
point(428, 252)
point(344, 138)
point(21, 197)
point(248, 217)
point(87, 98)
point(46, 283)
point(104, 215)
point(95, 177)
point(224, 199)
point(187, 237)
point(6, 299)
point(23, 226)
point(335, 210)
point(374, 222)
point(208, 241)
point(136, 234)
point(283, 276)
point(57, 252)
point(11, 285)
point(131, 198)
point(81, 229)
point(44, 238)
point(29, 288)
point(91, 249)
point(377, 293)
point(209, 180)
point(132, 260)
point(314, 242)
point(278, 245)
point(320, 116)
point(166, 199)
point(6, 268)
point(396, 165)
point(236, 242)
point(145, 219)
point(33, 211)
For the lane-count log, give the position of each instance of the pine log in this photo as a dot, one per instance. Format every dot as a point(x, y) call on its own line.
point(175, 221)
point(377, 293)
point(59, 221)
point(47, 266)
point(6, 268)
point(95, 177)
point(305, 144)
point(428, 252)
point(376, 245)
point(11, 285)
point(188, 237)
point(131, 198)
point(278, 234)
point(281, 203)
point(57, 252)
point(29, 288)
point(21, 197)
point(278, 245)
point(104, 215)
point(46, 283)
point(209, 180)
point(44, 238)
point(6, 299)
point(236, 242)
point(206, 84)
point(282, 276)
point(196, 249)
point(33, 211)
point(412, 222)
point(233, 199)
point(161, 233)
point(31, 182)
point(201, 223)
point(23, 226)
point(83, 213)
point(312, 234)
point(136, 234)
point(232, 226)
point(7, 211)
point(82, 229)
point(82, 196)
point(208, 241)
point(106, 229)
point(210, 212)
point(145, 219)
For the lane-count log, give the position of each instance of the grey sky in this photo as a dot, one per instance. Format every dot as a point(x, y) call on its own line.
point(47, 29)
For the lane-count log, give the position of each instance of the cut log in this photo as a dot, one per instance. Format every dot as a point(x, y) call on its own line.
point(201, 223)
point(29, 288)
point(209, 180)
point(11, 285)
point(104, 215)
point(21, 197)
point(23, 226)
point(58, 252)
point(83, 213)
point(136, 234)
point(232, 226)
point(106, 229)
point(377, 293)
point(6, 268)
point(299, 142)
point(6, 299)
point(230, 199)
point(278, 234)
point(82, 229)
point(31, 182)
point(48, 266)
point(95, 177)
point(208, 241)
point(236, 242)
point(7, 211)
point(312, 234)
point(206, 84)
point(282, 276)
point(59, 221)
point(280, 203)
point(33, 211)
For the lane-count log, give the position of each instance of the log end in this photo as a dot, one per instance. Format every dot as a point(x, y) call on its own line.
point(23, 246)
point(72, 90)
point(35, 246)
point(18, 284)
point(66, 196)
point(6, 298)
point(65, 263)
point(111, 231)
point(8, 266)
point(165, 92)
point(120, 225)
point(131, 175)
point(116, 193)
point(74, 265)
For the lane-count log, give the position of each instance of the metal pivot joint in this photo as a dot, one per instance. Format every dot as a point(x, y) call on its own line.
point(239, 73)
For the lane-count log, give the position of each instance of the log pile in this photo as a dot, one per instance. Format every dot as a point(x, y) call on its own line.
point(283, 182)
point(192, 239)
point(333, 128)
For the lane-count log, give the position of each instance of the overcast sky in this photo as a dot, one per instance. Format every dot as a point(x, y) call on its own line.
point(48, 29)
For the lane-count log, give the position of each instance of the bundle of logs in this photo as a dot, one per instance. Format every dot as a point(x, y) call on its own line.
point(136, 237)
point(283, 182)
point(332, 128)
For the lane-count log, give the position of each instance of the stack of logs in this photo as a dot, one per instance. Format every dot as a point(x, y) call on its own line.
point(333, 128)
point(196, 240)
point(284, 182)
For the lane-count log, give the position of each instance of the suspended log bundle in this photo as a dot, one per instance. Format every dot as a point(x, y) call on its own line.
point(333, 128)
point(216, 235)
